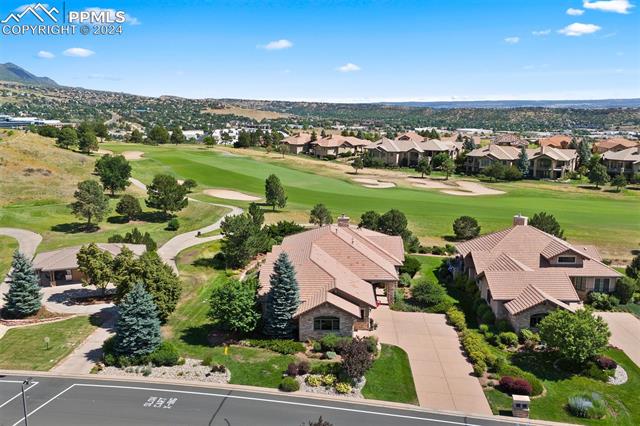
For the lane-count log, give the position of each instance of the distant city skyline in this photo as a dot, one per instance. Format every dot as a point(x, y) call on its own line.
point(349, 51)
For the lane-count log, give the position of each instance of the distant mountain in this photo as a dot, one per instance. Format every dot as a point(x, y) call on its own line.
point(12, 72)
point(577, 104)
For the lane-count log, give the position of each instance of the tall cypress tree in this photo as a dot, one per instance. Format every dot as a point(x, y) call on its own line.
point(523, 162)
point(283, 299)
point(138, 326)
point(23, 297)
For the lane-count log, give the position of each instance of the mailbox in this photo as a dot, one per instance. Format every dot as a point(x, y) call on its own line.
point(520, 406)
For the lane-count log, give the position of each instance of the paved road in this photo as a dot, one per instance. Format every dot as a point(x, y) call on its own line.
point(28, 241)
point(71, 402)
point(625, 333)
point(171, 248)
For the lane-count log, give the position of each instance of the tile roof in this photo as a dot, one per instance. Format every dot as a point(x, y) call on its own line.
point(302, 138)
point(509, 139)
point(332, 261)
point(332, 141)
point(511, 153)
point(411, 135)
point(66, 258)
point(629, 154)
point(405, 145)
point(532, 296)
point(556, 141)
point(608, 144)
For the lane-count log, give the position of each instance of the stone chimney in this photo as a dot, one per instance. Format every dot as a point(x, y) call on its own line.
point(519, 220)
point(343, 221)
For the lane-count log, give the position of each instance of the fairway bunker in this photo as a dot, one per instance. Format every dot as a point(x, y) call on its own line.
point(133, 155)
point(228, 194)
point(374, 183)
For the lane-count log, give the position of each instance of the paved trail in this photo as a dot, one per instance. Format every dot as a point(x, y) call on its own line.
point(28, 241)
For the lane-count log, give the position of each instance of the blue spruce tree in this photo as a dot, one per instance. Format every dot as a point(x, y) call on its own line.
point(138, 326)
point(523, 162)
point(283, 299)
point(23, 297)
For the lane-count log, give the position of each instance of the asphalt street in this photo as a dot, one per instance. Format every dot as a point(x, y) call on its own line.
point(55, 401)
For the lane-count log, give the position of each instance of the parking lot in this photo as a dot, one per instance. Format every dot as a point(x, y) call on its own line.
point(59, 401)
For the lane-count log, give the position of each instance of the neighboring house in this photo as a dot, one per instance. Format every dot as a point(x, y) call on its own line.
point(626, 161)
point(338, 268)
point(405, 151)
point(334, 145)
point(60, 267)
point(410, 136)
point(614, 144)
point(557, 141)
point(298, 143)
point(544, 162)
point(524, 273)
point(508, 139)
point(193, 135)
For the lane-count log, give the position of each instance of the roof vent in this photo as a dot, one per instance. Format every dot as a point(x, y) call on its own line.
point(519, 220)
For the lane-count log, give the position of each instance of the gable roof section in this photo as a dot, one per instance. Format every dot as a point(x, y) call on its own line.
point(532, 296)
point(298, 139)
point(627, 155)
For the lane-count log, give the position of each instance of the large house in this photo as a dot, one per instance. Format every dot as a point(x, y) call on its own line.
point(508, 139)
point(556, 141)
point(625, 162)
point(524, 273)
point(298, 143)
point(334, 145)
point(613, 144)
point(338, 268)
point(407, 150)
point(60, 267)
point(544, 162)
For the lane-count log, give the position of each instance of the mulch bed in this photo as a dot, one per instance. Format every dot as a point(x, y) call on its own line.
point(42, 316)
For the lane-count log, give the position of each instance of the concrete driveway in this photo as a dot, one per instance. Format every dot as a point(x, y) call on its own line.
point(443, 377)
point(625, 333)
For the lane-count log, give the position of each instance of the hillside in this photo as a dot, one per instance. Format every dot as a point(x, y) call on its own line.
point(33, 169)
point(12, 72)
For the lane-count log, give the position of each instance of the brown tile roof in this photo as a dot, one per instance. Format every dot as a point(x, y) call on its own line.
point(510, 139)
point(532, 296)
point(66, 258)
point(616, 144)
point(507, 285)
point(630, 154)
point(405, 145)
point(332, 141)
point(512, 153)
point(332, 261)
point(411, 135)
point(298, 139)
point(556, 141)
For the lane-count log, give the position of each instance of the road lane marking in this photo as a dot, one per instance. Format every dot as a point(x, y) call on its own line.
point(302, 404)
point(19, 393)
point(38, 409)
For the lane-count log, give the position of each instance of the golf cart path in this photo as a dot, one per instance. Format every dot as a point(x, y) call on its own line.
point(175, 245)
point(28, 241)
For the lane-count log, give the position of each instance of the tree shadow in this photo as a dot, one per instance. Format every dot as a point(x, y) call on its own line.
point(75, 227)
point(216, 262)
point(591, 187)
point(197, 336)
point(118, 219)
point(541, 364)
point(613, 191)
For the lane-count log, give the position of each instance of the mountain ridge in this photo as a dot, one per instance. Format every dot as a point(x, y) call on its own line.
point(15, 73)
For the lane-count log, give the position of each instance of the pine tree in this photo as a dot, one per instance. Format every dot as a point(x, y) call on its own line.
point(138, 326)
point(23, 297)
point(523, 162)
point(283, 299)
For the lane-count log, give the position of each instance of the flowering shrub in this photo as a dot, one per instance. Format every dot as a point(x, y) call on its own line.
point(314, 380)
point(343, 387)
point(516, 385)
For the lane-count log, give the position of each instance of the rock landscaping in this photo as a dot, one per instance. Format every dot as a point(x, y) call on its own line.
point(192, 370)
point(328, 385)
point(619, 376)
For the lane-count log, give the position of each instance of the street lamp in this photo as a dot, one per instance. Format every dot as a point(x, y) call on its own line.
point(24, 400)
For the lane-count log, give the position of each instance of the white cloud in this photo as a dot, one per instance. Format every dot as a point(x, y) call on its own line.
point(349, 67)
point(78, 52)
point(45, 55)
point(575, 12)
point(277, 45)
point(616, 6)
point(512, 40)
point(112, 14)
point(577, 29)
point(541, 32)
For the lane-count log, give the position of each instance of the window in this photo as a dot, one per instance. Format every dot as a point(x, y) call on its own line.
point(535, 320)
point(601, 285)
point(580, 283)
point(326, 323)
point(566, 259)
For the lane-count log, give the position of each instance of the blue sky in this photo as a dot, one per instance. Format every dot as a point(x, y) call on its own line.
point(359, 50)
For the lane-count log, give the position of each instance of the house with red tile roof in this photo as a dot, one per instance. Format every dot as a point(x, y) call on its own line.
point(407, 150)
point(334, 145)
point(509, 139)
point(298, 143)
point(614, 144)
point(338, 268)
point(556, 141)
point(524, 273)
point(626, 162)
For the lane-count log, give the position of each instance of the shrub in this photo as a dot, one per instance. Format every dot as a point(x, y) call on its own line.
point(166, 355)
point(488, 317)
point(479, 368)
point(602, 301)
point(173, 224)
point(328, 379)
point(330, 355)
point(356, 359)
point(405, 280)
point(304, 367)
point(456, 318)
point(334, 343)
point(317, 346)
point(511, 370)
point(587, 406)
point(218, 368)
point(508, 338)
point(282, 346)
point(208, 360)
point(516, 386)
point(606, 363)
point(428, 293)
point(147, 370)
point(484, 328)
point(410, 266)
point(579, 406)
point(476, 348)
point(292, 369)
point(528, 335)
point(372, 344)
point(503, 325)
point(343, 388)
point(289, 384)
point(625, 288)
point(596, 373)
point(325, 368)
point(314, 380)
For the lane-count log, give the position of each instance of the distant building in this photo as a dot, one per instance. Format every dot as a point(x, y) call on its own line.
point(508, 139)
point(613, 144)
point(298, 143)
point(625, 162)
point(193, 135)
point(408, 149)
point(334, 145)
point(557, 141)
point(9, 122)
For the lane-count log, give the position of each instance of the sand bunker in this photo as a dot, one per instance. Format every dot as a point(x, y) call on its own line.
point(461, 187)
point(133, 155)
point(104, 152)
point(230, 195)
point(374, 183)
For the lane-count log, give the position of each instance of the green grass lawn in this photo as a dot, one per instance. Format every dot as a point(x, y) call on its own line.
point(390, 379)
point(7, 246)
point(633, 308)
point(429, 265)
point(24, 348)
point(430, 213)
point(622, 400)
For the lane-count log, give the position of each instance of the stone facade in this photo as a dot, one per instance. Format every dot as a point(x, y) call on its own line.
point(306, 320)
point(523, 319)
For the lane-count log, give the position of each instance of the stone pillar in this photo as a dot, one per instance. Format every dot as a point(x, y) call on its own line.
point(391, 291)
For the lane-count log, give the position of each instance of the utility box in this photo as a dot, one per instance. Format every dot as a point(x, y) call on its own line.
point(520, 406)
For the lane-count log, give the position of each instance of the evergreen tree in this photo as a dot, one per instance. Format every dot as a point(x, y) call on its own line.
point(274, 192)
point(135, 136)
point(468, 144)
point(177, 137)
point(138, 326)
point(283, 299)
point(91, 203)
point(67, 137)
point(256, 213)
point(547, 223)
point(129, 207)
point(314, 136)
point(523, 162)
point(584, 153)
point(23, 297)
point(320, 215)
point(369, 220)
point(619, 181)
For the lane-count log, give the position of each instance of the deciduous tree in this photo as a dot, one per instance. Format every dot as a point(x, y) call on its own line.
point(88, 142)
point(166, 194)
point(114, 172)
point(177, 137)
point(233, 306)
point(96, 266)
point(91, 203)
point(598, 175)
point(357, 164)
point(423, 167)
point(129, 207)
point(369, 220)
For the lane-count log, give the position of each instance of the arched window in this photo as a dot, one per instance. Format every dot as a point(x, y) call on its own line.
point(326, 323)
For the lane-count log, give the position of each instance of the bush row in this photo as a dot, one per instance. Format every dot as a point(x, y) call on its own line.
point(282, 346)
point(165, 355)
